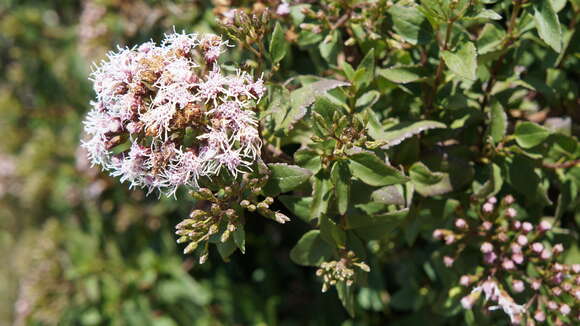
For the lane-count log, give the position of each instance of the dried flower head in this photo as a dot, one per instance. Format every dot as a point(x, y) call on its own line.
point(166, 115)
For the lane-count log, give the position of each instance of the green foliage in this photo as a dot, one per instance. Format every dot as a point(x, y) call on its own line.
point(383, 121)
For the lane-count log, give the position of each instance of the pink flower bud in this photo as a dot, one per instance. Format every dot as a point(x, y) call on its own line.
point(565, 309)
point(486, 247)
point(540, 316)
point(487, 207)
point(508, 265)
point(566, 287)
point(461, 224)
point(464, 280)
point(537, 247)
point(509, 199)
point(492, 200)
point(487, 225)
point(489, 258)
point(438, 234)
point(558, 249)
point(518, 286)
point(558, 267)
point(527, 227)
point(536, 284)
point(577, 294)
point(518, 258)
point(511, 212)
point(552, 305)
point(450, 239)
point(516, 225)
point(516, 248)
point(558, 278)
point(576, 268)
point(557, 291)
point(546, 254)
point(448, 261)
point(522, 240)
point(544, 226)
point(502, 237)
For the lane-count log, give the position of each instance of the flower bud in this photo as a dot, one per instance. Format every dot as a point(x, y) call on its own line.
point(511, 212)
point(508, 265)
point(486, 247)
point(522, 240)
point(537, 247)
point(461, 224)
point(465, 280)
point(539, 316)
point(489, 258)
point(487, 225)
point(518, 286)
point(518, 258)
point(487, 207)
point(552, 305)
point(492, 200)
point(448, 261)
point(544, 226)
point(558, 249)
point(536, 284)
point(546, 254)
point(527, 227)
point(565, 309)
point(509, 199)
point(469, 300)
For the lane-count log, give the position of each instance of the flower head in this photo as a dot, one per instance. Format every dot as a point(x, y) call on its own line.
point(179, 115)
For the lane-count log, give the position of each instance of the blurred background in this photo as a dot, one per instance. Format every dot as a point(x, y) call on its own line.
point(78, 247)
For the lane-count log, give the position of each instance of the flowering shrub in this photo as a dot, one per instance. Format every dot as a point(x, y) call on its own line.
point(420, 158)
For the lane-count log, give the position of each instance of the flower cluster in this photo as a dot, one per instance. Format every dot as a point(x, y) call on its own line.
point(341, 270)
point(518, 261)
point(166, 115)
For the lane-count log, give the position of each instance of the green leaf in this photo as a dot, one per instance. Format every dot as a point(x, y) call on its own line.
point(463, 63)
point(284, 178)
point(402, 75)
point(311, 250)
point(390, 195)
point(489, 14)
point(365, 72)
point(395, 134)
point(410, 23)
point(376, 227)
point(429, 183)
point(498, 122)
point(346, 296)
point(529, 134)
point(331, 232)
point(303, 97)
point(240, 238)
point(547, 24)
point(226, 249)
point(299, 206)
point(329, 48)
point(321, 193)
point(490, 38)
point(308, 159)
point(493, 184)
point(367, 99)
point(340, 177)
point(373, 171)
point(278, 44)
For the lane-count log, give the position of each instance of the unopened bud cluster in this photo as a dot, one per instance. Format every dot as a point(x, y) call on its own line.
point(342, 270)
point(518, 261)
point(224, 215)
point(167, 115)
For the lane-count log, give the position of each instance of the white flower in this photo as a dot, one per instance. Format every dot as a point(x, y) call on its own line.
point(183, 118)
